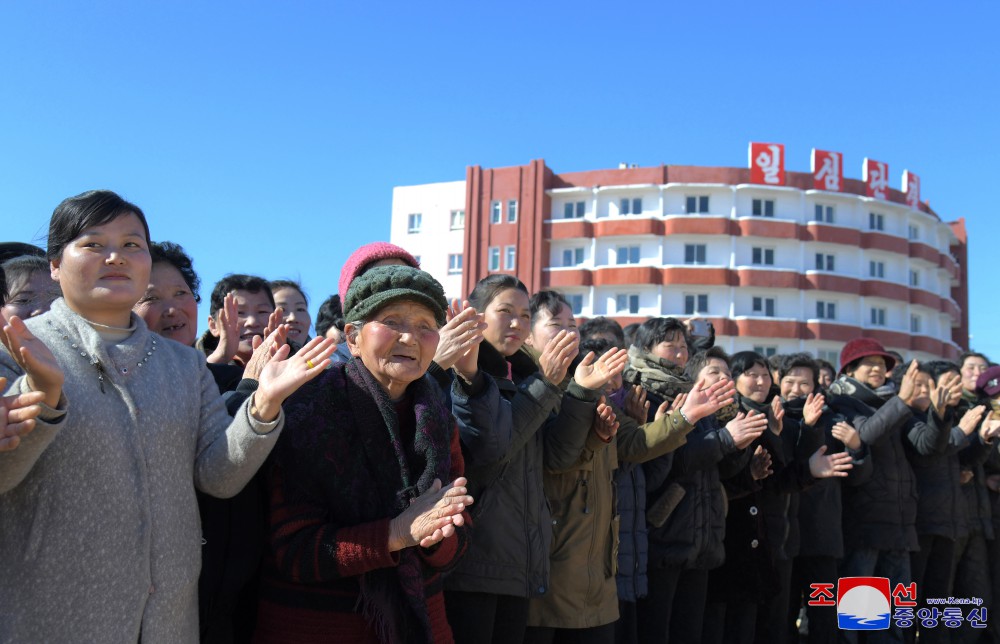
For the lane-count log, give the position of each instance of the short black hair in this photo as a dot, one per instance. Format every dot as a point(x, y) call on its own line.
point(656, 330)
point(602, 326)
point(937, 368)
point(237, 282)
point(799, 361)
point(825, 364)
point(630, 331)
point(598, 345)
point(17, 269)
point(898, 357)
point(3, 286)
point(173, 254)
point(330, 314)
point(86, 210)
point(492, 285)
point(972, 354)
point(746, 360)
point(550, 301)
point(698, 361)
point(277, 285)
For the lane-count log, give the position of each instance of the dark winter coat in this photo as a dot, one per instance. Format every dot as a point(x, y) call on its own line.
point(503, 431)
point(941, 507)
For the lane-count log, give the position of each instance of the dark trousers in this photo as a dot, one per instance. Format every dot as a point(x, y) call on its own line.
point(627, 626)
point(869, 562)
point(933, 568)
point(730, 622)
point(485, 618)
point(772, 626)
point(594, 635)
point(822, 620)
point(674, 609)
point(972, 579)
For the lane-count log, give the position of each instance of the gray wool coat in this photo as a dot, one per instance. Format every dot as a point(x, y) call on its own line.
point(100, 538)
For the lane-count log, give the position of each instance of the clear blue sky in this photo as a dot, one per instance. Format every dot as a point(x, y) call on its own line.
point(266, 137)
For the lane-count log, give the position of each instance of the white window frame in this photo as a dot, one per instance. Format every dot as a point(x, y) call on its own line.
point(697, 249)
point(493, 259)
point(760, 207)
point(510, 257)
point(511, 211)
point(496, 211)
point(414, 222)
point(455, 267)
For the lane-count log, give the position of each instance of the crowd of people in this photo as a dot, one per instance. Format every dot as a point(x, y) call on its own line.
point(488, 471)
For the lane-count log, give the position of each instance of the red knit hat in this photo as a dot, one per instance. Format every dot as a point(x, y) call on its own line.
point(369, 254)
point(862, 348)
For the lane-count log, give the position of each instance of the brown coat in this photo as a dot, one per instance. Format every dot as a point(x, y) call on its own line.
point(584, 555)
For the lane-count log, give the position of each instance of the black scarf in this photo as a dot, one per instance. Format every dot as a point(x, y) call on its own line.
point(847, 386)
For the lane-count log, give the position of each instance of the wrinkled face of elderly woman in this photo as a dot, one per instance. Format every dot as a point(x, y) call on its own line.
point(396, 344)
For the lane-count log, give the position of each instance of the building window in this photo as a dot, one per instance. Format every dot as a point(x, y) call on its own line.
point(574, 210)
point(876, 269)
point(694, 304)
point(830, 355)
point(914, 323)
point(766, 351)
point(877, 316)
point(413, 222)
point(510, 257)
point(572, 257)
point(763, 207)
point(695, 205)
point(494, 258)
point(824, 262)
point(762, 256)
point(876, 221)
point(914, 278)
point(454, 264)
point(627, 255)
point(826, 310)
point(630, 206)
point(694, 253)
point(575, 303)
point(823, 213)
point(496, 212)
point(764, 306)
point(627, 303)
point(512, 211)
point(457, 219)
point(913, 232)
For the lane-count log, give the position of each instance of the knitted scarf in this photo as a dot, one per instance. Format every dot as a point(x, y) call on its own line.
point(348, 399)
point(847, 386)
point(657, 375)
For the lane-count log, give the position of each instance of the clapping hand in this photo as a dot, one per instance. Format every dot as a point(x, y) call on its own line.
point(746, 428)
point(282, 375)
point(946, 392)
point(847, 435)
point(431, 517)
point(776, 416)
point(636, 405)
point(594, 374)
point(760, 464)
point(605, 422)
point(264, 350)
point(557, 355)
point(459, 340)
point(17, 416)
point(823, 466)
point(970, 419)
point(40, 367)
point(704, 401)
point(813, 409)
point(908, 385)
point(227, 325)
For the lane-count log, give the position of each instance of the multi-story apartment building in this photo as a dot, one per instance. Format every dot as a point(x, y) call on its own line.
point(776, 268)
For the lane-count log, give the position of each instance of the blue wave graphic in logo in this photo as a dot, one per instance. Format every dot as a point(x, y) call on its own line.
point(849, 622)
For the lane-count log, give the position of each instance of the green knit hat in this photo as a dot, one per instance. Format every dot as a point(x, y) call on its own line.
point(382, 285)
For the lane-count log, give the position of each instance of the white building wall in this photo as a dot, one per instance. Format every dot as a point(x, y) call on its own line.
point(437, 239)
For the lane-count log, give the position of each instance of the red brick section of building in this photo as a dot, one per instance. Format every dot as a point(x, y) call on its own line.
point(530, 234)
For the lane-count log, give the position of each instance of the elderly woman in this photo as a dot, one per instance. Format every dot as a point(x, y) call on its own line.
point(98, 521)
point(361, 526)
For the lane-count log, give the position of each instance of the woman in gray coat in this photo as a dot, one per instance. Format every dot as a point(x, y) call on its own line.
point(99, 529)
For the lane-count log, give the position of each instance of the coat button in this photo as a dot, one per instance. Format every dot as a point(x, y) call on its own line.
point(555, 522)
point(541, 590)
point(754, 543)
point(753, 510)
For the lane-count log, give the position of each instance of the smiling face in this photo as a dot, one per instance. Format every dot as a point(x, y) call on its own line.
point(714, 370)
point(168, 306)
point(674, 348)
point(870, 371)
point(252, 311)
point(797, 383)
point(972, 368)
point(396, 345)
point(508, 319)
point(296, 315)
point(546, 326)
point(105, 270)
point(754, 383)
point(30, 297)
